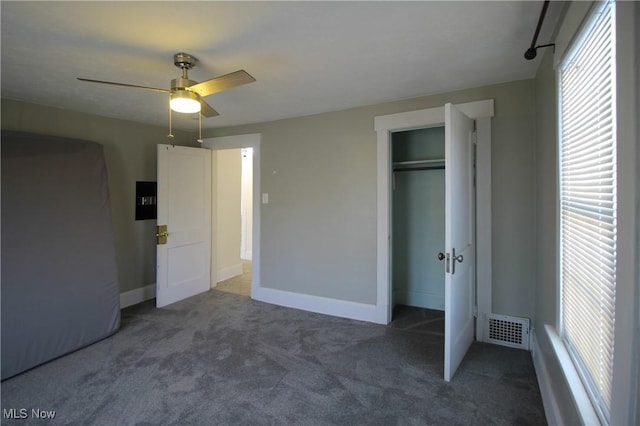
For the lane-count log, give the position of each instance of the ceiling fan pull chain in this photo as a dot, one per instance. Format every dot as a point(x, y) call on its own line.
point(170, 135)
point(200, 127)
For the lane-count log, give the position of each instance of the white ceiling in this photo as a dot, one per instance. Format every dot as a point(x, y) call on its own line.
point(307, 57)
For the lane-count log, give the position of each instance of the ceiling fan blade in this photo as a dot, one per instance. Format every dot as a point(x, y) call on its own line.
point(221, 83)
point(206, 109)
point(155, 89)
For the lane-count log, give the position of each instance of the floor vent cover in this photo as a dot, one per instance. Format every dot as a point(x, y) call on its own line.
point(509, 331)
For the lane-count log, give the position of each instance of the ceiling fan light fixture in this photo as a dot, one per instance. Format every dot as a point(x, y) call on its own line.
point(185, 101)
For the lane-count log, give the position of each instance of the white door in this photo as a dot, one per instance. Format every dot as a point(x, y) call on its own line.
point(459, 235)
point(184, 207)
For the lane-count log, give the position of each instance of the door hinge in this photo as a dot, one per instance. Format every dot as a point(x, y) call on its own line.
point(474, 152)
point(475, 311)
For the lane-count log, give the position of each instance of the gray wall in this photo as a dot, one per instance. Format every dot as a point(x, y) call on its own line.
point(637, 68)
point(418, 220)
point(547, 303)
point(319, 228)
point(546, 193)
point(130, 154)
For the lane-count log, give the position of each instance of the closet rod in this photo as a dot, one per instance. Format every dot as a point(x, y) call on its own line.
point(411, 169)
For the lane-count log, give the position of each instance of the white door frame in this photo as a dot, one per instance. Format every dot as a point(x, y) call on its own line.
point(252, 140)
point(481, 111)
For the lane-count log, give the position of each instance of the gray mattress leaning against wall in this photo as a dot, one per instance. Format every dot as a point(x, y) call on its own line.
point(60, 287)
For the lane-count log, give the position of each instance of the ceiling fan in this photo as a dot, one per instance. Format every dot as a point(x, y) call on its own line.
point(186, 95)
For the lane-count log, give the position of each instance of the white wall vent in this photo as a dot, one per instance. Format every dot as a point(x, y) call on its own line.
point(508, 331)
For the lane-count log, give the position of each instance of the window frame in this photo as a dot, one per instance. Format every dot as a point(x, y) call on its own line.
point(625, 404)
point(598, 401)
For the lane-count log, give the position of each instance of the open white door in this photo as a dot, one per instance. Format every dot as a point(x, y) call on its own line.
point(184, 207)
point(459, 236)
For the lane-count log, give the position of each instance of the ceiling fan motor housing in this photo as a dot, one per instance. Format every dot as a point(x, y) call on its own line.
point(184, 60)
point(181, 83)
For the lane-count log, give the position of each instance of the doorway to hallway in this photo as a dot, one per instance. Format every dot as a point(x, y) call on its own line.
point(240, 284)
point(233, 219)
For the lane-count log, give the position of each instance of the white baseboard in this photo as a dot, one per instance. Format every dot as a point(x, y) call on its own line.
point(138, 295)
point(229, 272)
point(321, 305)
point(549, 402)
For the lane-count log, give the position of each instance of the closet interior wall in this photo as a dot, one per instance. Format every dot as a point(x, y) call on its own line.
point(418, 217)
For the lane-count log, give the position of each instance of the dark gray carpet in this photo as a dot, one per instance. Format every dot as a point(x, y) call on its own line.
point(223, 359)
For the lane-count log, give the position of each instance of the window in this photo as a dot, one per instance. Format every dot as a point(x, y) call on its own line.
point(588, 219)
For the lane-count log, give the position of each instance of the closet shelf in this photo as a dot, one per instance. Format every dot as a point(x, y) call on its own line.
point(419, 164)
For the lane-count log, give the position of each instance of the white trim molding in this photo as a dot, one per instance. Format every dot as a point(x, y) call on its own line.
point(576, 14)
point(137, 295)
point(625, 402)
point(317, 304)
point(549, 401)
point(578, 393)
point(481, 111)
point(228, 272)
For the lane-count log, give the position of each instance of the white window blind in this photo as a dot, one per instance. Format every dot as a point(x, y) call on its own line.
point(588, 204)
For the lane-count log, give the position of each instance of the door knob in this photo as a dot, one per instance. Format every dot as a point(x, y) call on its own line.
point(455, 259)
point(162, 234)
point(441, 256)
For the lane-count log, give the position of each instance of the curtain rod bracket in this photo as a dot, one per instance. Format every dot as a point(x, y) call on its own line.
point(532, 51)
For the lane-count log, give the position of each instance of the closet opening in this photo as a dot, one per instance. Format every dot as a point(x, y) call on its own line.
point(418, 223)
point(467, 222)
